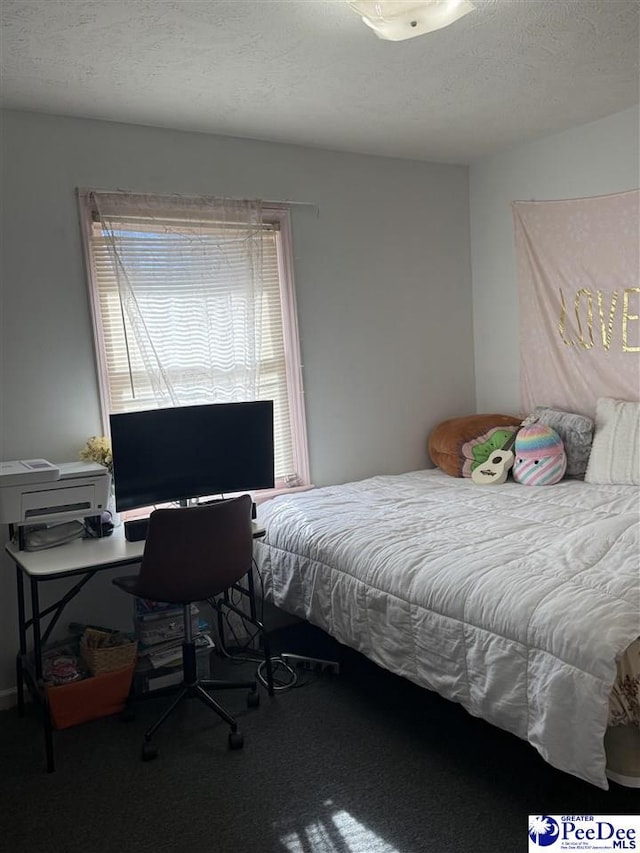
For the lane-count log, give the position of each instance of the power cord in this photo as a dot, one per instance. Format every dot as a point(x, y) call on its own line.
point(285, 676)
point(246, 654)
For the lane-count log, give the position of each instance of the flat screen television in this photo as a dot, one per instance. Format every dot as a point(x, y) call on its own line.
point(165, 455)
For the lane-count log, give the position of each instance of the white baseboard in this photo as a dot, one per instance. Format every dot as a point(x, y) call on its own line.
point(8, 698)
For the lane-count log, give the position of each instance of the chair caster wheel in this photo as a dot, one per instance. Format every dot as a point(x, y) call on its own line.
point(253, 699)
point(149, 752)
point(236, 740)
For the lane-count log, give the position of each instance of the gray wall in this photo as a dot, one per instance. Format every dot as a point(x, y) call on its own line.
point(595, 159)
point(383, 284)
point(382, 277)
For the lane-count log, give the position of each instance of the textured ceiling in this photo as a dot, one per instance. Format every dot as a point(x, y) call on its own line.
point(310, 72)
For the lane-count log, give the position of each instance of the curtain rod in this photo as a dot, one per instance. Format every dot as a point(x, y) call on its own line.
point(86, 190)
point(289, 201)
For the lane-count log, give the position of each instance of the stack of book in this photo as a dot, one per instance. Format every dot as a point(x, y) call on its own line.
point(159, 629)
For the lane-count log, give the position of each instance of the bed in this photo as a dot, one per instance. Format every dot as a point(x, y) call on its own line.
point(521, 604)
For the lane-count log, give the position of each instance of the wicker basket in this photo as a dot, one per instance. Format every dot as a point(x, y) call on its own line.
point(101, 659)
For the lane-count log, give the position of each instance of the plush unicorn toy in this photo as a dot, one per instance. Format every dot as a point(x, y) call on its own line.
point(540, 456)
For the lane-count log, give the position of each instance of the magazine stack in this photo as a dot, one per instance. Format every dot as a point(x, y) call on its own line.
point(159, 629)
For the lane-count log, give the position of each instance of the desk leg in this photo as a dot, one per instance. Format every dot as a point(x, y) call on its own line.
point(266, 645)
point(37, 641)
point(37, 655)
point(252, 595)
point(266, 648)
point(48, 736)
point(22, 635)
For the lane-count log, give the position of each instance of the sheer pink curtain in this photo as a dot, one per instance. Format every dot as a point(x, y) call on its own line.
point(193, 302)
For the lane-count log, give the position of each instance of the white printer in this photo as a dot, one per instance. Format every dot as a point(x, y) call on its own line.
point(33, 491)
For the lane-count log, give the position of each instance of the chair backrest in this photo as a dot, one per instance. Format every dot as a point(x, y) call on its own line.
point(194, 553)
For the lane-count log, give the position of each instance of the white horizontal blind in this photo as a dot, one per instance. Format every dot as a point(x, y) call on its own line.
point(166, 270)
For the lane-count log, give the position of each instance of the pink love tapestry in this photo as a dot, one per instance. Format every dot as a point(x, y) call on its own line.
point(578, 267)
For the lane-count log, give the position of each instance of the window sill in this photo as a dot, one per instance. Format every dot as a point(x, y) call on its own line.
point(258, 498)
point(266, 494)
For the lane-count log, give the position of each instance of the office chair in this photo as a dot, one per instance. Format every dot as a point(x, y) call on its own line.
point(193, 554)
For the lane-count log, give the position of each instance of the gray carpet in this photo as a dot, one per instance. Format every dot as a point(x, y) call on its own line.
point(360, 763)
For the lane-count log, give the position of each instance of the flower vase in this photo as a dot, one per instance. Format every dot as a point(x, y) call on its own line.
point(111, 509)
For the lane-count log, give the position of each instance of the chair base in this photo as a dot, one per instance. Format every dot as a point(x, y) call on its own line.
point(198, 688)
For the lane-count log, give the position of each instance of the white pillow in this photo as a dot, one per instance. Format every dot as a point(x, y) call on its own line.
point(615, 452)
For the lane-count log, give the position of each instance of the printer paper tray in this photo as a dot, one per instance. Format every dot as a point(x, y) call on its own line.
point(52, 503)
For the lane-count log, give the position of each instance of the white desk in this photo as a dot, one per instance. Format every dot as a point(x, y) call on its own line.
point(83, 555)
point(80, 559)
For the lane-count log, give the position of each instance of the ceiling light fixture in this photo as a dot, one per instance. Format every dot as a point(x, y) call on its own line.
point(396, 20)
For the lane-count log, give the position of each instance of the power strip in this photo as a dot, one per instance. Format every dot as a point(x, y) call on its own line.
point(315, 664)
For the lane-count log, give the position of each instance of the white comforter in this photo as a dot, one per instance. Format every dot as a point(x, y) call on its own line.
point(514, 601)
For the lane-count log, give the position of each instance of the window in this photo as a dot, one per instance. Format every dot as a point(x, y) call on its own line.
point(193, 302)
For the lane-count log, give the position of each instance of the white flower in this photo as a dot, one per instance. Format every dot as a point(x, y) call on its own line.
point(98, 449)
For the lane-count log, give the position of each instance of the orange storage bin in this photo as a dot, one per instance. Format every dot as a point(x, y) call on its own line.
point(89, 699)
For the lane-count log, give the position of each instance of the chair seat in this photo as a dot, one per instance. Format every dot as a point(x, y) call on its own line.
point(134, 585)
point(131, 584)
